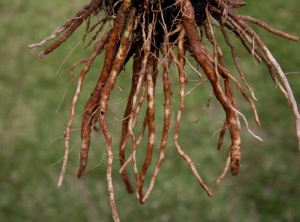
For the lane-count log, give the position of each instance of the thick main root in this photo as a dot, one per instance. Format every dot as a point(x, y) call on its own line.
point(160, 32)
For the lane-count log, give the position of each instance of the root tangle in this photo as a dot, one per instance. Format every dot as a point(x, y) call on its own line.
point(159, 33)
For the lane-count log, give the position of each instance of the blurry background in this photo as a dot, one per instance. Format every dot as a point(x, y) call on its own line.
point(31, 126)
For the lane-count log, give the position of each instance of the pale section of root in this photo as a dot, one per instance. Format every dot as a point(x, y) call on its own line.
point(218, 59)
point(183, 82)
point(147, 37)
point(240, 25)
point(214, 71)
point(290, 95)
point(63, 62)
point(131, 124)
point(167, 104)
point(86, 68)
point(69, 27)
point(56, 33)
point(151, 125)
point(268, 27)
point(176, 132)
point(141, 136)
point(105, 94)
point(60, 29)
point(234, 57)
point(287, 91)
point(110, 157)
point(222, 134)
point(167, 92)
point(247, 125)
point(228, 160)
point(93, 102)
point(133, 115)
point(198, 73)
point(125, 135)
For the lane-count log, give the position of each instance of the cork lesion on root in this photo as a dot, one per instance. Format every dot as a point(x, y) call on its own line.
point(156, 33)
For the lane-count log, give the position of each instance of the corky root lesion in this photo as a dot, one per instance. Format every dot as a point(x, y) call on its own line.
point(145, 31)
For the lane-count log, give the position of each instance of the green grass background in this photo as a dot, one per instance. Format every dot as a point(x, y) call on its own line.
point(267, 188)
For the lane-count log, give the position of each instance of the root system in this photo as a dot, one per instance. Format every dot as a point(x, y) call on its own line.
point(158, 33)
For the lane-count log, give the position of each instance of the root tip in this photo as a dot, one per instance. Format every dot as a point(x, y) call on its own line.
point(41, 55)
point(235, 172)
point(79, 173)
point(210, 194)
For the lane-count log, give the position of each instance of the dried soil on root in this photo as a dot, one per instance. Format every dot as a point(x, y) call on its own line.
point(147, 31)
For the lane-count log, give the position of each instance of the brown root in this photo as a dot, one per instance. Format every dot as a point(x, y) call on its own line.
point(143, 30)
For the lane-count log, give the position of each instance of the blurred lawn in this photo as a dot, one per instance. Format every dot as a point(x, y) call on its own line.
point(267, 188)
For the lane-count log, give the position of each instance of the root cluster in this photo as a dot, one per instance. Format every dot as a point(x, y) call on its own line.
point(158, 33)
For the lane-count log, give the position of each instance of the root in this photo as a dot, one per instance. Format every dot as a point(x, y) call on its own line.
point(70, 26)
point(144, 30)
point(183, 82)
point(92, 105)
point(88, 63)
